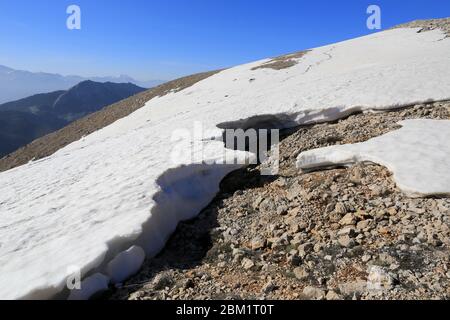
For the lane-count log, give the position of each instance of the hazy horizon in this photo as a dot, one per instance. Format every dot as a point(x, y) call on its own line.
point(163, 40)
point(81, 76)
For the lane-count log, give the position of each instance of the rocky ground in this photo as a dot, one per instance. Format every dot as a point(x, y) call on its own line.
point(344, 233)
point(427, 25)
point(282, 62)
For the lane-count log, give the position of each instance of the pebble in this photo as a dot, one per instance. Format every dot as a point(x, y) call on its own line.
point(247, 264)
point(301, 273)
point(304, 249)
point(314, 293)
point(346, 241)
point(269, 287)
point(348, 219)
point(258, 243)
point(340, 208)
point(333, 295)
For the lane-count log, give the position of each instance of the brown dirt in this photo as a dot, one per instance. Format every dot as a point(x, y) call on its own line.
point(428, 25)
point(282, 62)
point(49, 144)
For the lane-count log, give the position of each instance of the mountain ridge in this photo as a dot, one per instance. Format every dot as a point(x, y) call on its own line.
point(50, 143)
point(17, 84)
point(27, 119)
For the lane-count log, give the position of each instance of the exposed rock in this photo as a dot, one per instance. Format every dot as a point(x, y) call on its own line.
point(362, 225)
point(258, 243)
point(282, 210)
point(332, 295)
point(348, 219)
point(304, 249)
point(220, 252)
point(269, 287)
point(346, 241)
point(379, 279)
point(314, 293)
point(340, 208)
point(162, 280)
point(352, 288)
point(301, 273)
point(347, 231)
point(282, 62)
point(247, 264)
point(429, 24)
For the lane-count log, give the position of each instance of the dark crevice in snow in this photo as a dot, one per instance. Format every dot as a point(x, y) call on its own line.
point(256, 135)
point(201, 231)
point(186, 190)
point(267, 121)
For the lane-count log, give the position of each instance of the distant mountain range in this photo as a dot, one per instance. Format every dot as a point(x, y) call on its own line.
point(27, 119)
point(18, 84)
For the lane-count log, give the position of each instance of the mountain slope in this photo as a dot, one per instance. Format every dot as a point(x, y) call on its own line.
point(18, 84)
point(101, 202)
point(19, 128)
point(51, 143)
point(34, 104)
point(88, 96)
point(26, 119)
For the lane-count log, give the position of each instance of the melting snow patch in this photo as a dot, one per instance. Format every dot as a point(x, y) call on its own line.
point(125, 264)
point(118, 187)
point(89, 287)
point(418, 155)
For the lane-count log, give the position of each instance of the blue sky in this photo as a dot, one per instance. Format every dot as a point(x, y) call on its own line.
point(164, 39)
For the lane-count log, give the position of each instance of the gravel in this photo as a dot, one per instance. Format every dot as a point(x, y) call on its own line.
point(342, 233)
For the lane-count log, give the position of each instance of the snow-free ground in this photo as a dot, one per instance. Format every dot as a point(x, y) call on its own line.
point(93, 200)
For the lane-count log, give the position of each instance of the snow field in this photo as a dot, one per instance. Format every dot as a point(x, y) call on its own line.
point(417, 154)
point(102, 201)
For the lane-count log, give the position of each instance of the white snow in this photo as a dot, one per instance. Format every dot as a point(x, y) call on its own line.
point(117, 187)
point(90, 286)
point(125, 264)
point(417, 154)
